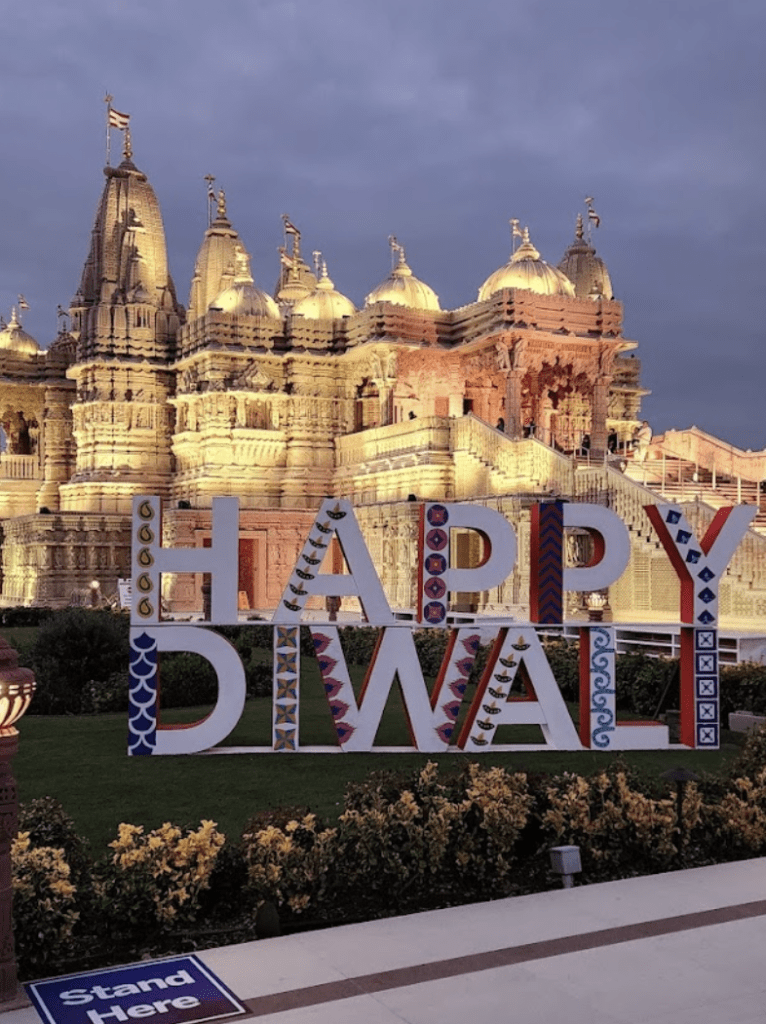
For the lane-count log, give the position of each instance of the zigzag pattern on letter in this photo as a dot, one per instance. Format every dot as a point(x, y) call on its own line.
point(547, 578)
point(142, 710)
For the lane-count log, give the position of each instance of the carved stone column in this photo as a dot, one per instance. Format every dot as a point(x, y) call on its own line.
point(56, 442)
point(513, 425)
point(385, 391)
point(598, 433)
point(534, 393)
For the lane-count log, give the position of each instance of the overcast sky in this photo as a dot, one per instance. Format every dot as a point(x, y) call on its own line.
point(436, 121)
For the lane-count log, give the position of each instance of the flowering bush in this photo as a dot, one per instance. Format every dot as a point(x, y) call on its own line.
point(44, 903)
point(621, 831)
point(493, 814)
point(154, 881)
point(738, 821)
point(404, 842)
point(289, 866)
point(430, 841)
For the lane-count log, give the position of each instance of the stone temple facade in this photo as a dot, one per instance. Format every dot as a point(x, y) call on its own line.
point(282, 400)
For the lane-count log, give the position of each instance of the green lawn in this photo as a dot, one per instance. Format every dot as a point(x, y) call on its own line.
point(82, 762)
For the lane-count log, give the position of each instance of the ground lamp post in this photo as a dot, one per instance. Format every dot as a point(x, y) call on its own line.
point(680, 776)
point(16, 688)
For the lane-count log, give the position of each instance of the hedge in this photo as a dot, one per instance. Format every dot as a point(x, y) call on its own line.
point(402, 843)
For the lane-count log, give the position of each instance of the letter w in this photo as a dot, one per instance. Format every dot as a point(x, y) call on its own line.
point(431, 721)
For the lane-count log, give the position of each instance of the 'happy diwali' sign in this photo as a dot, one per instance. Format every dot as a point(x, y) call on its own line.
point(517, 686)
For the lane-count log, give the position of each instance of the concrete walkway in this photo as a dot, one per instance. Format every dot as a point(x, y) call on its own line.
point(687, 947)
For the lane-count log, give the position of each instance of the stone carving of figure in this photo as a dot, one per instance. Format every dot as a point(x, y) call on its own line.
point(642, 439)
point(503, 356)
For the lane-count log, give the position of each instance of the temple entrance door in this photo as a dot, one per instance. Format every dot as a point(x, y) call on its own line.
point(246, 580)
point(253, 568)
point(467, 552)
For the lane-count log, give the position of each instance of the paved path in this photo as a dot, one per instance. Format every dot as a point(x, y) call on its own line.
point(687, 947)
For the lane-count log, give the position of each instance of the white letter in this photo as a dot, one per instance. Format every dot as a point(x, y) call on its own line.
point(75, 997)
point(334, 517)
point(182, 978)
point(115, 1011)
point(146, 736)
point(611, 541)
point(150, 559)
point(437, 577)
point(543, 706)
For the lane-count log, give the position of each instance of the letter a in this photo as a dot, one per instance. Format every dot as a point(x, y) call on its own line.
point(334, 517)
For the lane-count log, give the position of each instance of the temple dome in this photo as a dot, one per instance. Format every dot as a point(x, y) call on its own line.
point(526, 270)
point(402, 288)
point(242, 297)
point(585, 269)
point(14, 338)
point(324, 303)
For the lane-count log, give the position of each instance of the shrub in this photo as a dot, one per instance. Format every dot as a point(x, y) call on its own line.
point(259, 679)
point(73, 648)
point(358, 643)
point(100, 697)
point(44, 904)
point(563, 657)
point(187, 680)
point(641, 682)
point(46, 824)
point(21, 616)
point(153, 882)
point(620, 830)
point(418, 844)
point(289, 865)
point(751, 760)
point(743, 688)
point(431, 645)
point(737, 822)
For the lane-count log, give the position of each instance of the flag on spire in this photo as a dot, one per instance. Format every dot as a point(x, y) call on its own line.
point(593, 217)
point(23, 304)
point(118, 120)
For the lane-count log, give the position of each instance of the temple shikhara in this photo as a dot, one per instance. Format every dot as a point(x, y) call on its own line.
point(529, 393)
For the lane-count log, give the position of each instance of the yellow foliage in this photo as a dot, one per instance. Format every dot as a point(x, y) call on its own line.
point(179, 866)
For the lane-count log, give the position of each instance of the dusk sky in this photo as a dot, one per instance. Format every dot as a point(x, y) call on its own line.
point(436, 121)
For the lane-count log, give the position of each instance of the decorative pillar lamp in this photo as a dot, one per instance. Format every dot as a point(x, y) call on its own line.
point(596, 604)
point(16, 688)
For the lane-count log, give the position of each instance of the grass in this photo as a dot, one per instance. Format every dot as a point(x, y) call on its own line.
point(81, 761)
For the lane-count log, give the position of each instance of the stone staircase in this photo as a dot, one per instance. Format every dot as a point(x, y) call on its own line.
point(680, 480)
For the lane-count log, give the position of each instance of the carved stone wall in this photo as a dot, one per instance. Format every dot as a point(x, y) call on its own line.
point(48, 558)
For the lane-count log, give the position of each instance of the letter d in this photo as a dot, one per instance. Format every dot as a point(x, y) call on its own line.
point(182, 978)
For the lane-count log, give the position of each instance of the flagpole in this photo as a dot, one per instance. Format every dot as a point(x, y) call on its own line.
point(108, 100)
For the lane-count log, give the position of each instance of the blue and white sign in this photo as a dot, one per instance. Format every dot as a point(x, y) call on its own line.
point(180, 990)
